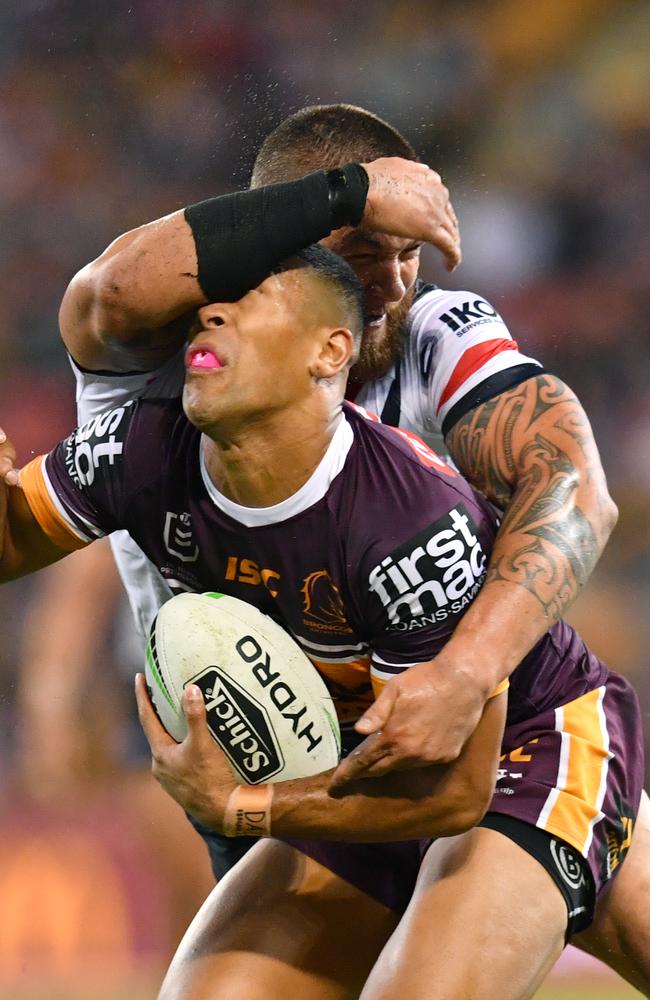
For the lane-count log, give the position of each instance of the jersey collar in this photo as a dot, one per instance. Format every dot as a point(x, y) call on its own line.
point(309, 493)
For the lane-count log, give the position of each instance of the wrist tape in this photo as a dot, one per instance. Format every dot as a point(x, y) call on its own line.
point(248, 811)
point(240, 238)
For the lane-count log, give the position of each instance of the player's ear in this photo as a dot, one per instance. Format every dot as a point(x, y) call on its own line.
point(336, 350)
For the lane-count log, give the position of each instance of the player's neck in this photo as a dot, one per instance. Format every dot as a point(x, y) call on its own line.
point(268, 461)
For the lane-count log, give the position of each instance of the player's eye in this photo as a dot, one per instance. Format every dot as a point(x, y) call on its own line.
point(362, 258)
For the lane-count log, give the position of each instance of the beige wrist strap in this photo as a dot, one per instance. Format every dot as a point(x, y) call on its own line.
point(248, 811)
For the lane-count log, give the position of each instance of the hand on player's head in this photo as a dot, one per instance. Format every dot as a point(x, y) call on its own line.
point(409, 199)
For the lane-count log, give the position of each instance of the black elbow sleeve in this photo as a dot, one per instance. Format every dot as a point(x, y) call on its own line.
point(240, 238)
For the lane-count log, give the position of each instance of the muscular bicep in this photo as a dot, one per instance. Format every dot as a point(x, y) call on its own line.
point(532, 452)
point(130, 309)
point(538, 432)
point(26, 547)
point(103, 338)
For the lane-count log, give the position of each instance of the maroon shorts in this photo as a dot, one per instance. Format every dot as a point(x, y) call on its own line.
point(575, 772)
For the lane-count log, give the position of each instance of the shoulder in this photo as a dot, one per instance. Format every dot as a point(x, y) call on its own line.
point(396, 483)
point(396, 451)
point(446, 326)
point(132, 435)
point(451, 313)
point(464, 351)
point(129, 415)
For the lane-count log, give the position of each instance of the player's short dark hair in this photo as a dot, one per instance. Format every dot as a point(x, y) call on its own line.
point(325, 136)
point(340, 276)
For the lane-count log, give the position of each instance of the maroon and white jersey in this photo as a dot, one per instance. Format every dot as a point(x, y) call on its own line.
point(370, 565)
point(457, 353)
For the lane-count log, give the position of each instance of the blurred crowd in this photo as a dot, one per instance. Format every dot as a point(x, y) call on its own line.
point(536, 112)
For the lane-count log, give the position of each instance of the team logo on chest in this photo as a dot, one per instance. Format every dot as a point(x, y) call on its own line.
point(178, 537)
point(433, 576)
point(323, 607)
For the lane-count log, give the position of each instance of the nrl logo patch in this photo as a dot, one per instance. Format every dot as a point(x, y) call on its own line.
point(178, 537)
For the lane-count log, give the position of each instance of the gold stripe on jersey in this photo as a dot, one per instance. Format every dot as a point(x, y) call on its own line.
point(42, 507)
point(348, 682)
point(574, 805)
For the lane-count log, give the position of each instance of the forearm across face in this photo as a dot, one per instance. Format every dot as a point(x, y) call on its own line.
point(114, 309)
point(532, 452)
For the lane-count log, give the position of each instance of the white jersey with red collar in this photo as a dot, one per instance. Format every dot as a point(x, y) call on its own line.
point(457, 354)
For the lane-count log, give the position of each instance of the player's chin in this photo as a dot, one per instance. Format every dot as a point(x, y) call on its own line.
point(197, 402)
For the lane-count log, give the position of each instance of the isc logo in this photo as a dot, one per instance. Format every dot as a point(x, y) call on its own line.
point(240, 725)
point(247, 571)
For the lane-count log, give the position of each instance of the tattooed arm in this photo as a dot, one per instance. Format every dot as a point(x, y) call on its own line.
point(531, 451)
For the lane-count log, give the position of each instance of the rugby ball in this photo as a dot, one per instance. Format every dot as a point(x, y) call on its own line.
point(267, 706)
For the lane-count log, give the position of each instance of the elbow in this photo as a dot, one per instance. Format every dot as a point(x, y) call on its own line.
point(466, 819)
point(602, 515)
point(95, 299)
point(467, 808)
point(609, 516)
point(466, 816)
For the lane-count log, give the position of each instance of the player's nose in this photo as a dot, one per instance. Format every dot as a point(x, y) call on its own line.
point(213, 314)
point(387, 278)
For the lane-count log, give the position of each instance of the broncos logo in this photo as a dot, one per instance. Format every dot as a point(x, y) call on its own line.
point(323, 602)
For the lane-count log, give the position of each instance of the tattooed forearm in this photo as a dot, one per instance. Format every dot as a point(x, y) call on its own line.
point(531, 451)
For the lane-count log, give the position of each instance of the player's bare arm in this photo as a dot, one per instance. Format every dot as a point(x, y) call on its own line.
point(127, 310)
point(439, 801)
point(24, 546)
point(531, 451)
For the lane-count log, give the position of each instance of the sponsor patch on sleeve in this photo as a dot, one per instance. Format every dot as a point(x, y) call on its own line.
point(93, 449)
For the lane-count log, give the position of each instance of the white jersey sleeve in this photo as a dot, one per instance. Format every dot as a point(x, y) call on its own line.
point(96, 393)
point(461, 341)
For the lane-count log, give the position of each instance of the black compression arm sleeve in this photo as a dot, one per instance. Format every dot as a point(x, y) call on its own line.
point(240, 238)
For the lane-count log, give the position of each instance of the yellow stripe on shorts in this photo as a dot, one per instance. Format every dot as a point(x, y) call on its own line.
point(573, 807)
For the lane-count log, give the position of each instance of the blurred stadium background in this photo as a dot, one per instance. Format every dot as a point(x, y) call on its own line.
point(536, 112)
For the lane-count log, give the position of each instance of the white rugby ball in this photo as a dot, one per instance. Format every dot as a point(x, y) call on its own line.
point(267, 705)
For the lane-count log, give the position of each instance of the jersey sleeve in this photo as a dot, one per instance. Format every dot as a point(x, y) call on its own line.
point(98, 392)
point(76, 493)
point(467, 354)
